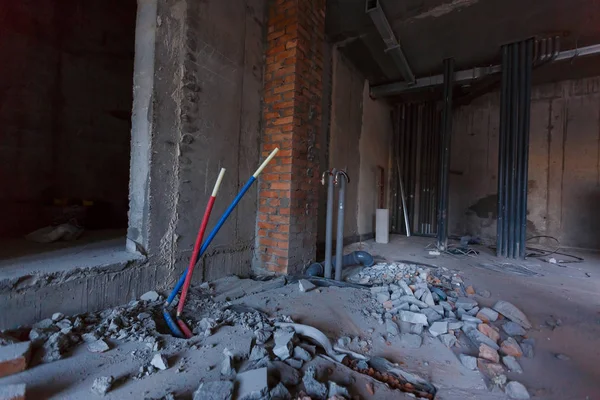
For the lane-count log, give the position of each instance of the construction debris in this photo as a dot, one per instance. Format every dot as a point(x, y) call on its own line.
point(159, 361)
point(217, 390)
point(517, 391)
point(99, 346)
point(13, 392)
point(513, 313)
point(14, 358)
point(305, 286)
point(312, 385)
point(102, 385)
point(252, 384)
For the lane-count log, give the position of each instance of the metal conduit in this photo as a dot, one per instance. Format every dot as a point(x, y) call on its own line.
point(513, 156)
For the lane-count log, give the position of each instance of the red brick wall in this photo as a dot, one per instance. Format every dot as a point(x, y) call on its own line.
point(288, 195)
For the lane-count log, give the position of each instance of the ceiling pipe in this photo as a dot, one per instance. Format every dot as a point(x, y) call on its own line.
point(393, 48)
point(468, 75)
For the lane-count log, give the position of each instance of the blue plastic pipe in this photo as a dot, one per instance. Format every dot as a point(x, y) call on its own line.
point(216, 229)
point(212, 236)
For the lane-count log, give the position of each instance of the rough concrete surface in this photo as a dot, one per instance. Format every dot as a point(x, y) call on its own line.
point(567, 294)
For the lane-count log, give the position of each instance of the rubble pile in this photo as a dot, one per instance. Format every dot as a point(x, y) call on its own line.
point(414, 300)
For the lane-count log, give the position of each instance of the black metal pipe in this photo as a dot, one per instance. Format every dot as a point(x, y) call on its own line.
point(500, 244)
point(446, 129)
point(519, 143)
point(527, 66)
point(513, 150)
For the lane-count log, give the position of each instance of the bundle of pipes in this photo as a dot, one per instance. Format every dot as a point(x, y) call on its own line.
point(187, 275)
point(340, 179)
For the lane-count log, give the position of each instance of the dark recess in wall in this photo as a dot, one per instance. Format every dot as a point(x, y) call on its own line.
point(65, 111)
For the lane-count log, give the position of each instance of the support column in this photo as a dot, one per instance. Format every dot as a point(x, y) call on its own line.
point(288, 195)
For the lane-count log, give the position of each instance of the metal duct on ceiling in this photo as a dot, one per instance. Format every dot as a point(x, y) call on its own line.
point(393, 48)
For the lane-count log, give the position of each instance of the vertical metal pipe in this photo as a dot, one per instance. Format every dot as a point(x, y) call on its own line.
point(339, 245)
point(520, 147)
point(442, 237)
point(513, 150)
point(501, 218)
point(329, 224)
point(403, 198)
point(526, 123)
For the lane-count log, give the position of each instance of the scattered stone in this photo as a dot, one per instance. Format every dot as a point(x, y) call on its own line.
point(344, 341)
point(438, 328)
point(391, 327)
point(313, 387)
point(294, 363)
point(410, 340)
point(438, 309)
point(337, 390)
point(377, 289)
point(150, 296)
point(302, 354)
point(413, 318)
point(449, 340)
point(527, 347)
point(431, 315)
point(305, 286)
point(512, 364)
point(57, 316)
point(512, 313)
point(473, 311)
point(410, 300)
point(13, 392)
point(487, 315)
point(99, 346)
point(159, 361)
point(487, 353)
point(513, 329)
point(216, 390)
point(44, 324)
point(489, 368)
point(469, 318)
point(484, 293)
point(90, 337)
point(465, 303)
point(227, 363)
point(455, 325)
point(102, 385)
point(414, 308)
point(286, 374)
point(489, 331)
point(470, 290)
point(252, 384)
point(283, 343)
point(280, 392)
point(477, 338)
point(258, 353)
point(510, 347)
point(468, 361)
point(562, 357)
point(14, 358)
point(428, 298)
point(404, 286)
point(516, 390)
point(382, 297)
point(406, 327)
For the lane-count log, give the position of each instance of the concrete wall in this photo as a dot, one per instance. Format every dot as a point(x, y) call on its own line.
point(198, 83)
point(375, 151)
point(564, 172)
point(65, 106)
point(360, 140)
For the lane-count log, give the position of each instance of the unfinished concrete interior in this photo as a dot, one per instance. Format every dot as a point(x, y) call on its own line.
point(286, 199)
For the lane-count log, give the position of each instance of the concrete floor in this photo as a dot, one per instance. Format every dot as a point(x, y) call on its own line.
point(570, 294)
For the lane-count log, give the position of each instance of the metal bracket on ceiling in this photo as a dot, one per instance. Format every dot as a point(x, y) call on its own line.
point(393, 48)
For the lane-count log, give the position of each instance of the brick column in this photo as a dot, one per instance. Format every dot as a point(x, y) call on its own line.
point(288, 195)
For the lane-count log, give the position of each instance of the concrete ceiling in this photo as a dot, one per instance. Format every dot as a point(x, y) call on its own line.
point(471, 31)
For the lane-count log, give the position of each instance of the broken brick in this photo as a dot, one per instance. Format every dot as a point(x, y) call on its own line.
point(510, 347)
point(486, 352)
point(489, 331)
point(13, 392)
point(14, 358)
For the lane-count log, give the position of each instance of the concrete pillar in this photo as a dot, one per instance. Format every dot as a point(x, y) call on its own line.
point(288, 195)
